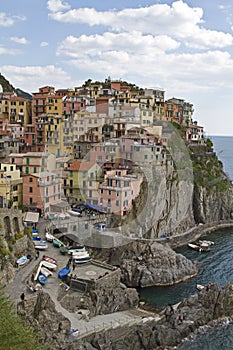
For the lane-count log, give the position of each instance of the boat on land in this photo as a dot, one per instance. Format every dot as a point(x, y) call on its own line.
point(57, 243)
point(40, 245)
point(42, 279)
point(49, 265)
point(22, 261)
point(80, 254)
point(63, 272)
point(63, 250)
point(45, 271)
point(82, 258)
point(49, 259)
point(76, 249)
point(199, 247)
point(49, 237)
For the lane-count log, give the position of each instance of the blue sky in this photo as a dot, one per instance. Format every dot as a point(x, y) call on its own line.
point(184, 47)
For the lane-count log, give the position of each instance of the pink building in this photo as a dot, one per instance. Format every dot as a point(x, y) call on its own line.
point(40, 191)
point(118, 191)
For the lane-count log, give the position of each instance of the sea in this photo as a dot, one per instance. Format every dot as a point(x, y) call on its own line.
point(217, 267)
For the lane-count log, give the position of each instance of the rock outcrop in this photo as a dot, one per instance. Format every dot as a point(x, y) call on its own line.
point(145, 263)
point(157, 331)
point(107, 296)
point(52, 328)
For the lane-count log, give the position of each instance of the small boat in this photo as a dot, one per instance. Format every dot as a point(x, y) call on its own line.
point(42, 279)
point(199, 247)
point(82, 259)
point(200, 286)
point(49, 237)
point(63, 272)
point(57, 243)
point(45, 271)
point(63, 250)
point(22, 261)
point(36, 238)
point(49, 265)
point(76, 249)
point(40, 245)
point(49, 259)
point(208, 243)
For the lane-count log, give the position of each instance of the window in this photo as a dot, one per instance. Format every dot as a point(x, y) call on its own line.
point(30, 189)
point(30, 179)
point(11, 168)
point(30, 200)
point(34, 169)
point(27, 161)
point(109, 202)
point(15, 199)
point(117, 203)
point(27, 170)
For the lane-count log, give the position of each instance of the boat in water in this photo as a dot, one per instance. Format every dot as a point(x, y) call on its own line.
point(200, 287)
point(206, 243)
point(199, 247)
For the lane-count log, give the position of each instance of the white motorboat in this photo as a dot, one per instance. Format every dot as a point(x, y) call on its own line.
point(49, 237)
point(200, 286)
point(80, 255)
point(40, 245)
point(206, 243)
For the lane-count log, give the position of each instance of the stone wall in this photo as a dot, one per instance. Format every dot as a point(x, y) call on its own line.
point(11, 223)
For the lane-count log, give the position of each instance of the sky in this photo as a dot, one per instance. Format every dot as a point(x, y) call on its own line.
point(183, 47)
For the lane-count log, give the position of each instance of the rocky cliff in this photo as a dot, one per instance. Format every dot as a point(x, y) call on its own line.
point(213, 191)
point(146, 263)
point(157, 331)
point(188, 188)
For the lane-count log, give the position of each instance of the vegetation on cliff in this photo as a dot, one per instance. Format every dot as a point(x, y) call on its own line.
point(14, 333)
point(6, 85)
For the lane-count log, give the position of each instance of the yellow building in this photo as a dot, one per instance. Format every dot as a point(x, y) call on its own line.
point(11, 186)
point(82, 181)
point(16, 109)
point(146, 117)
point(53, 105)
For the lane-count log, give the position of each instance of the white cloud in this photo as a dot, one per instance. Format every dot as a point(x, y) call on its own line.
point(57, 5)
point(178, 21)
point(30, 78)
point(144, 59)
point(6, 51)
point(7, 21)
point(17, 40)
point(44, 43)
point(98, 45)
